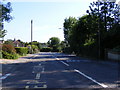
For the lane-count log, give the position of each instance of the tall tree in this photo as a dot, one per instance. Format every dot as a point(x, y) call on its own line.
point(5, 10)
point(68, 24)
point(107, 14)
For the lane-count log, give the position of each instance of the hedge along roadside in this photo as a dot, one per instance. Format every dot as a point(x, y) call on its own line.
point(22, 50)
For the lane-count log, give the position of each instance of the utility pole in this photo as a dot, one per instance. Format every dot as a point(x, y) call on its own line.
point(31, 34)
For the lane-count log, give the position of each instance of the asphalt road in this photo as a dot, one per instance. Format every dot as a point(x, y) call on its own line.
point(58, 70)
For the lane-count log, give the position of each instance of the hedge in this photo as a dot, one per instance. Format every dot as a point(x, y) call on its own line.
point(7, 55)
point(46, 49)
point(22, 50)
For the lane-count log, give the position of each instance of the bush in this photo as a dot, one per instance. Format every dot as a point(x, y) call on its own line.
point(8, 48)
point(56, 49)
point(22, 50)
point(67, 50)
point(46, 49)
point(116, 49)
point(7, 55)
point(34, 49)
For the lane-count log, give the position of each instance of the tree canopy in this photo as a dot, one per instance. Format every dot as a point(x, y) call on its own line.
point(5, 10)
point(82, 34)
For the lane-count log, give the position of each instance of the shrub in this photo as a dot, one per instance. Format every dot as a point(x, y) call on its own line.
point(46, 49)
point(56, 49)
point(22, 50)
point(34, 49)
point(8, 48)
point(7, 55)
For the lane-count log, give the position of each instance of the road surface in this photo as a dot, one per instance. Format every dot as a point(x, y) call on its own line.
point(58, 70)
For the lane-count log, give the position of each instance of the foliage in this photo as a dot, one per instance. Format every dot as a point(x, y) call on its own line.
point(67, 50)
point(8, 48)
point(116, 49)
point(33, 50)
point(2, 33)
point(82, 35)
point(37, 44)
point(22, 50)
point(0, 51)
point(5, 16)
point(46, 49)
point(54, 43)
point(9, 41)
point(68, 25)
point(7, 55)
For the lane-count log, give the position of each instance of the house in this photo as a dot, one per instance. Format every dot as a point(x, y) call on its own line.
point(17, 43)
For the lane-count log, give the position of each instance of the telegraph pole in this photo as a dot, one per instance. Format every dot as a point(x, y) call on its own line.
point(31, 34)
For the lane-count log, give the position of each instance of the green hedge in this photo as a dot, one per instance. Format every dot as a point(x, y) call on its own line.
point(46, 49)
point(7, 55)
point(22, 50)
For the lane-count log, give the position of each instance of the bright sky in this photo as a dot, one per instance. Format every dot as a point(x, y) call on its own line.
point(47, 15)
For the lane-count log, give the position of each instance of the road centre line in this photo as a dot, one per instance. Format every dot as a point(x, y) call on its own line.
point(103, 85)
point(5, 76)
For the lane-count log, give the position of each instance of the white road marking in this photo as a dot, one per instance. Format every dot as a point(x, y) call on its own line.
point(57, 58)
point(5, 76)
point(37, 76)
point(62, 62)
point(43, 70)
point(28, 82)
point(65, 63)
point(26, 86)
point(44, 86)
point(103, 85)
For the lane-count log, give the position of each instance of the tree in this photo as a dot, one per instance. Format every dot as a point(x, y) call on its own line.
point(54, 43)
point(107, 14)
point(5, 10)
point(68, 24)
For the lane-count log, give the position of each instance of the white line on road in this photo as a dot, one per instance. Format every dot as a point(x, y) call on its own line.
point(65, 63)
point(57, 58)
point(43, 70)
point(5, 76)
point(37, 76)
point(26, 87)
point(103, 85)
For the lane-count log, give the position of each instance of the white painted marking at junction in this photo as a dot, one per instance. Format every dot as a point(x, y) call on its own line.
point(37, 76)
point(57, 58)
point(26, 86)
point(44, 86)
point(43, 70)
point(5, 76)
point(103, 85)
point(64, 63)
point(28, 82)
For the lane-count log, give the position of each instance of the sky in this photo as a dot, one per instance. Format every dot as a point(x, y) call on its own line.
point(47, 15)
